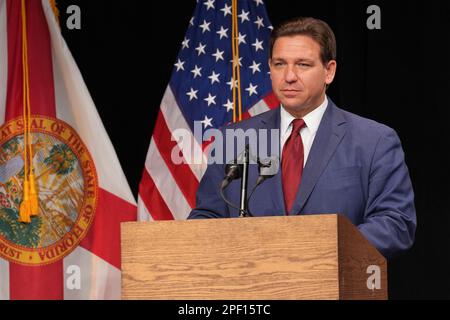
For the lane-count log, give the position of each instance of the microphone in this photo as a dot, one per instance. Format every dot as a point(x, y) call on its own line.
point(233, 171)
point(268, 168)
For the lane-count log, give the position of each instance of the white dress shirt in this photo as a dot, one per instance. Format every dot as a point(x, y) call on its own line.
point(308, 132)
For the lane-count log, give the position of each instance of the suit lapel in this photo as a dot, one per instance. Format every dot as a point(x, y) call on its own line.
point(331, 130)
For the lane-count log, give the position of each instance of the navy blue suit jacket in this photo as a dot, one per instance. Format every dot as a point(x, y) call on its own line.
point(355, 167)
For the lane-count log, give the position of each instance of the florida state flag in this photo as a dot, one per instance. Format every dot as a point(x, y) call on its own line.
point(63, 193)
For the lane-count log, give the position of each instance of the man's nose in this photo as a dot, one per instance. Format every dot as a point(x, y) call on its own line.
point(290, 76)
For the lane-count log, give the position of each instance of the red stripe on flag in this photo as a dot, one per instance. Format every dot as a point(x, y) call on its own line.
point(103, 238)
point(36, 283)
point(271, 100)
point(246, 115)
point(42, 92)
point(152, 198)
point(182, 173)
point(44, 282)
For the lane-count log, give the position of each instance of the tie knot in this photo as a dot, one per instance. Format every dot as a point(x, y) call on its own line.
point(297, 125)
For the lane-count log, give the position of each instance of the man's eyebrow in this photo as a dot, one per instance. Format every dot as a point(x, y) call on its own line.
point(296, 60)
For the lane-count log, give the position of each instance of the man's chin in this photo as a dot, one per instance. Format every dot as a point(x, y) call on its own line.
point(293, 105)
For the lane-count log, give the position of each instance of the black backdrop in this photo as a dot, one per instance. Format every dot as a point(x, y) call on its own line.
point(398, 75)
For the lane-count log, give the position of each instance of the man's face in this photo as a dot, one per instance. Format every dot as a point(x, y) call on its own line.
point(298, 76)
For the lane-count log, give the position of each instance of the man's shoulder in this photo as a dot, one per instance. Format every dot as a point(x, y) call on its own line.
point(365, 134)
point(364, 126)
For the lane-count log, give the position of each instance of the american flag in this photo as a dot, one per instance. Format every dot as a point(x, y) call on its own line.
point(200, 89)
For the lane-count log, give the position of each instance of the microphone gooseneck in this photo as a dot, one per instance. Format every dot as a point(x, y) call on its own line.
point(244, 183)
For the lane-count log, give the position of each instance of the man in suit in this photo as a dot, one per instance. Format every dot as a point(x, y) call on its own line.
point(332, 161)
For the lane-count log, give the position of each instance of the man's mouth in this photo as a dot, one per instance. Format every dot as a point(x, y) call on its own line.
point(290, 92)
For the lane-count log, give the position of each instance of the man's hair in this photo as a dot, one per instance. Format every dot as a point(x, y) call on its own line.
point(316, 29)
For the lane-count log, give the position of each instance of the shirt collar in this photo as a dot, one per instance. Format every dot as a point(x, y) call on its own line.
point(312, 119)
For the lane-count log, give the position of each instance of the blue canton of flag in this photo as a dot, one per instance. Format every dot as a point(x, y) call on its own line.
point(202, 75)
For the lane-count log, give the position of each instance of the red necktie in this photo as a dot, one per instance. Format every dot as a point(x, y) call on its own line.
point(292, 164)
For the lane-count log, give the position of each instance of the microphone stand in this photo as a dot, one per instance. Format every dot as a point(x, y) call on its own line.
point(244, 183)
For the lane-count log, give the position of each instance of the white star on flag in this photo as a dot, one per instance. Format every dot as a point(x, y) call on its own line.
point(259, 22)
point(201, 48)
point(255, 67)
point(230, 83)
point(214, 77)
point(228, 105)
point(211, 99)
point(222, 32)
point(235, 63)
point(192, 94)
point(251, 89)
point(179, 65)
point(258, 45)
point(226, 10)
point(241, 38)
point(209, 4)
point(218, 55)
point(196, 71)
point(207, 122)
point(185, 43)
point(191, 22)
point(205, 26)
point(258, 2)
point(244, 16)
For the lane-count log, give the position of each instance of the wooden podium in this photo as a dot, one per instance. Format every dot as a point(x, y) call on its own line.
point(288, 257)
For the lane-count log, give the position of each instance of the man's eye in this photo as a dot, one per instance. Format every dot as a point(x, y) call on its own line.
point(303, 65)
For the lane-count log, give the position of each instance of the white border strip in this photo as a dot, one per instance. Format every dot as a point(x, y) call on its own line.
point(88, 277)
point(143, 213)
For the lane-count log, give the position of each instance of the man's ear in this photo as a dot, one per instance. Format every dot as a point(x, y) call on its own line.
point(330, 70)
